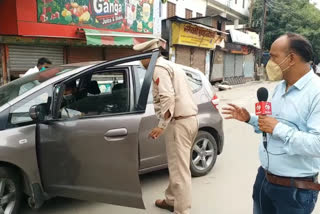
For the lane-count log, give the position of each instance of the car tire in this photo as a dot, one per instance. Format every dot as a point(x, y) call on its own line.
point(10, 190)
point(203, 154)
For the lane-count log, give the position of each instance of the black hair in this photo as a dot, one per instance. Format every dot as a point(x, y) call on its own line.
point(71, 84)
point(301, 46)
point(43, 61)
point(314, 67)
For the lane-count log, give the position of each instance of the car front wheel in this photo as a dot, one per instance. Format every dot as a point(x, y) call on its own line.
point(10, 191)
point(203, 154)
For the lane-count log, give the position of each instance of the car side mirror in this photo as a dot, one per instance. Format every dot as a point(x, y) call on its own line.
point(38, 112)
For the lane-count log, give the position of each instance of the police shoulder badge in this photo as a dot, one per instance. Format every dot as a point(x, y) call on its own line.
point(157, 81)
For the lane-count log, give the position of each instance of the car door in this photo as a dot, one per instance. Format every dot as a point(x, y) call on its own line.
point(94, 155)
point(152, 152)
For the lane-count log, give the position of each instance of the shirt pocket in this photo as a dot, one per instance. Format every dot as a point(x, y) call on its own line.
point(274, 146)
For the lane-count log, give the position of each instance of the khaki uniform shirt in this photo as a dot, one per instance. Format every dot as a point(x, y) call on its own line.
point(171, 92)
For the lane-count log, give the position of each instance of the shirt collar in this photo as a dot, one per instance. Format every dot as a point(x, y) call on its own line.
point(36, 68)
point(304, 80)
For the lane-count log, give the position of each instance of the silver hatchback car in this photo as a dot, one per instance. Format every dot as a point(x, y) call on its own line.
point(81, 131)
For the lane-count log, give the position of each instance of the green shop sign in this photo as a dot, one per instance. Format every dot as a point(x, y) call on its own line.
point(119, 15)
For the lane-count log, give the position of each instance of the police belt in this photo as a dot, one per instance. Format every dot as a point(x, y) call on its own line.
point(309, 183)
point(183, 117)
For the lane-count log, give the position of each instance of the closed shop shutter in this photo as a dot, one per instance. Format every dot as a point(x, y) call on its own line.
point(85, 54)
point(22, 58)
point(249, 66)
point(183, 55)
point(198, 59)
point(116, 53)
point(217, 67)
point(239, 66)
point(229, 60)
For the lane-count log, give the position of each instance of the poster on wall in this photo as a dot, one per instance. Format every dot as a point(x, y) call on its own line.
point(118, 15)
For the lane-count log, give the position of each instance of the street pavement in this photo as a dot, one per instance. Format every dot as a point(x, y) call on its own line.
point(227, 189)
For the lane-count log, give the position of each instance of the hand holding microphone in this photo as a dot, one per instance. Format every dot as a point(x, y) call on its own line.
point(267, 124)
point(263, 109)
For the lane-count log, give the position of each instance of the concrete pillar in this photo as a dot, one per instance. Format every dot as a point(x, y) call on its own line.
point(236, 23)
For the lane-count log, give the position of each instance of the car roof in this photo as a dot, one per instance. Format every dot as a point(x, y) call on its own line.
point(187, 68)
point(82, 64)
point(134, 63)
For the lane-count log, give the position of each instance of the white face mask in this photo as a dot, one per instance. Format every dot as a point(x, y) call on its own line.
point(274, 71)
point(68, 97)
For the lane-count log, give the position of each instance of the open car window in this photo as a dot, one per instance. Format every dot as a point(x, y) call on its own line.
point(140, 73)
point(104, 89)
point(102, 93)
point(19, 113)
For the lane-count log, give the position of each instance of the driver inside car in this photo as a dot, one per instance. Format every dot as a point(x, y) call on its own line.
point(69, 98)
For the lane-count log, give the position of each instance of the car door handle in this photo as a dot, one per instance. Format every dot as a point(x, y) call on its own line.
point(116, 134)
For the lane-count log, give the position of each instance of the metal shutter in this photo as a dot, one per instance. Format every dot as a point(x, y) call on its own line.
point(217, 67)
point(239, 66)
point(116, 53)
point(183, 55)
point(198, 59)
point(229, 65)
point(23, 57)
point(249, 65)
point(85, 54)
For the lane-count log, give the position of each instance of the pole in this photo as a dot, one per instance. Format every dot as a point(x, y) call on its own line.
point(251, 13)
point(4, 57)
point(264, 19)
point(258, 68)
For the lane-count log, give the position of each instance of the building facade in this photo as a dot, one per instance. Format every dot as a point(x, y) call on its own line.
point(182, 8)
point(236, 10)
point(235, 61)
point(179, 19)
point(190, 41)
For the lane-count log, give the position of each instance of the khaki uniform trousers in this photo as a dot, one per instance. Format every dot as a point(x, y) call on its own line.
point(179, 137)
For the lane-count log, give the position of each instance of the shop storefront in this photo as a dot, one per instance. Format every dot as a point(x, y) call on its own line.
point(239, 58)
point(191, 43)
point(67, 31)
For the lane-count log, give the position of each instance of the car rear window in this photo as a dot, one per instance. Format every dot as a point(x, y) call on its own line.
point(209, 88)
point(194, 80)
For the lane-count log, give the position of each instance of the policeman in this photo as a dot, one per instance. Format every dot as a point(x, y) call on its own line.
point(176, 110)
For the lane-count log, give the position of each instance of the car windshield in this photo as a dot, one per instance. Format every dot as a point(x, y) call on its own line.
point(20, 86)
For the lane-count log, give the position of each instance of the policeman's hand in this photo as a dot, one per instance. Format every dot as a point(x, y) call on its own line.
point(236, 112)
point(156, 132)
point(267, 124)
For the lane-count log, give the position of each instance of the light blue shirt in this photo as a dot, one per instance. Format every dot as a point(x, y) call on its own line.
point(294, 146)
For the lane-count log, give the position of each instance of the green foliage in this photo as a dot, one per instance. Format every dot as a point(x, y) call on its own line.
point(297, 16)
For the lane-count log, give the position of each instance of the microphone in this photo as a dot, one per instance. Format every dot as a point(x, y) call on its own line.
point(263, 108)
